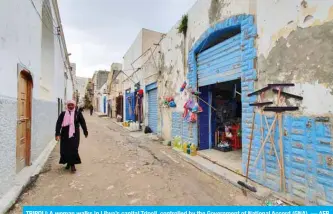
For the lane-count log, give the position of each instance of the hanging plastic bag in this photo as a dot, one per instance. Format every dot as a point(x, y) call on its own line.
point(185, 110)
point(190, 104)
point(187, 118)
point(228, 134)
point(172, 104)
point(195, 108)
point(193, 118)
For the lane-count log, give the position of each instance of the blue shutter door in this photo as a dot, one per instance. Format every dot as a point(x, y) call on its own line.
point(152, 110)
point(220, 63)
point(203, 119)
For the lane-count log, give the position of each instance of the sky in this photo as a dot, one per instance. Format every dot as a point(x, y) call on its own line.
point(99, 32)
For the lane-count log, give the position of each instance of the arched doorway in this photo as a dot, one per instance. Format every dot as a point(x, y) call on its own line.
point(24, 111)
point(222, 67)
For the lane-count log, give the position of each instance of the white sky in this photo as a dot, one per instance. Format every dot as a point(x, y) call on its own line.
point(99, 32)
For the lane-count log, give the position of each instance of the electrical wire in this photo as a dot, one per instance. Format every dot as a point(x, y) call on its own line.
point(152, 53)
point(52, 21)
point(41, 19)
point(49, 11)
point(47, 27)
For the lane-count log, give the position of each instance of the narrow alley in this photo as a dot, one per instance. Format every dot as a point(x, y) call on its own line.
point(119, 169)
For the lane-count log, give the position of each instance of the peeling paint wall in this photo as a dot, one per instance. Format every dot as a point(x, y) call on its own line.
point(298, 46)
point(295, 47)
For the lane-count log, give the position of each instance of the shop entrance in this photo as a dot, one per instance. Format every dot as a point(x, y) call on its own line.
point(220, 124)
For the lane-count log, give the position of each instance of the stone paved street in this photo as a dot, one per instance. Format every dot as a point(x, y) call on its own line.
point(119, 169)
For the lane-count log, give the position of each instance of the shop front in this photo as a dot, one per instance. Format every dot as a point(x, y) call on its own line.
point(219, 63)
point(134, 106)
point(219, 81)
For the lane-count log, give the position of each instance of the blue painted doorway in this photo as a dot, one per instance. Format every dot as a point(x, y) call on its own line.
point(130, 104)
point(152, 107)
point(216, 64)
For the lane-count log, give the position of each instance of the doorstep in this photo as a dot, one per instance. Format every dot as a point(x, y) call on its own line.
point(121, 125)
point(115, 122)
point(230, 160)
point(221, 173)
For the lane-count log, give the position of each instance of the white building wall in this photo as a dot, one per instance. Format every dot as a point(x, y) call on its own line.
point(20, 43)
point(81, 84)
point(101, 96)
point(139, 55)
point(70, 89)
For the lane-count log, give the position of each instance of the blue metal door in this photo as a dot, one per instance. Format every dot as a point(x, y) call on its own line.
point(130, 103)
point(152, 110)
point(220, 63)
point(203, 119)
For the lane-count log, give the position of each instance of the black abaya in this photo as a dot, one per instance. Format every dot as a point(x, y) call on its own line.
point(69, 147)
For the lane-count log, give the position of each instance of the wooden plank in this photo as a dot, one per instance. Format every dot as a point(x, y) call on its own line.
point(261, 104)
point(288, 94)
point(259, 91)
point(280, 108)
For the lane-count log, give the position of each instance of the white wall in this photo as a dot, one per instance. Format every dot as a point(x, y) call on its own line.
point(143, 60)
point(116, 66)
point(70, 91)
point(81, 84)
point(131, 55)
point(144, 41)
point(21, 42)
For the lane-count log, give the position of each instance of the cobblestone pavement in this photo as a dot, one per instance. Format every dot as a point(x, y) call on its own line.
point(121, 169)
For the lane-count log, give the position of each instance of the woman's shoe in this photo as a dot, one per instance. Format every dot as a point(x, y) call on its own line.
point(73, 169)
point(67, 166)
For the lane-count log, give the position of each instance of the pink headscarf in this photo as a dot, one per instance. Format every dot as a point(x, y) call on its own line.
point(69, 119)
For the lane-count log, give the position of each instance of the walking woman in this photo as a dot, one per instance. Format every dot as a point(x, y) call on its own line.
point(68, 132)
point(91, 108)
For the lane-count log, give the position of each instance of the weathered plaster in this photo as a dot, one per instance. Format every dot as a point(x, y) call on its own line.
point(215, 9)
point(304, 58)
point(294, 16)
point(44, 115)
point(8, 108)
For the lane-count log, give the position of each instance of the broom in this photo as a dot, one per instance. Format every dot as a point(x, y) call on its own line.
point(245, 184)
